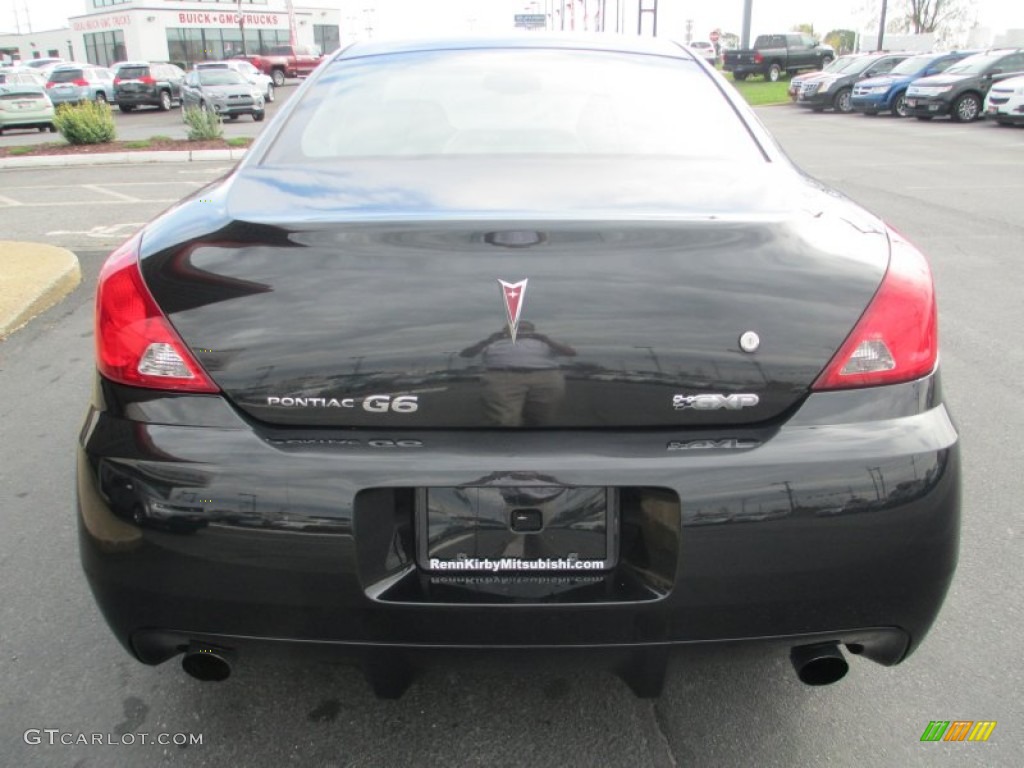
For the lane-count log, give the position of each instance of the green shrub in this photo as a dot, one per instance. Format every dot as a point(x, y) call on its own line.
point(203, 124)
point(88, 123)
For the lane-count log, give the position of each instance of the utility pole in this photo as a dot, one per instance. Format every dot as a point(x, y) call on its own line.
point(881, 26)
point(641, 11)
point(241, 27)
point(748, 10)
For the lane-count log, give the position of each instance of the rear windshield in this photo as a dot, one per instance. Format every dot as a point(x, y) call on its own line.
point(513, 102)
point(21, 92)
point(66, 75)
point(132, 73)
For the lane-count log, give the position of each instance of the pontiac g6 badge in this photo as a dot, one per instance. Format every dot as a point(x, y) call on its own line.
point(513, 294)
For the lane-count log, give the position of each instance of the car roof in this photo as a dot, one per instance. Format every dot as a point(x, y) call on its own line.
point(605, 43)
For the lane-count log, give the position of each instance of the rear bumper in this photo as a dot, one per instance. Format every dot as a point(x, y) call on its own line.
point(831, 527)
point(33, 120)
point(151, 99)
point(745, 69)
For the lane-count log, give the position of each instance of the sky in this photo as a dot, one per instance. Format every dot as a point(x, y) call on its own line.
point(403, 18)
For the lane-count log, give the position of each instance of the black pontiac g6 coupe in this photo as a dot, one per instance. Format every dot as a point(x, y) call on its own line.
point(519, 343)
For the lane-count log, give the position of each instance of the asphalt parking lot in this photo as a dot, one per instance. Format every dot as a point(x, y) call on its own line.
point(146, 122)
point(956, 190)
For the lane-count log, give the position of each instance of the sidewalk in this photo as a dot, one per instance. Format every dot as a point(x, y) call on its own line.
point(33, 278)
point(122, 158)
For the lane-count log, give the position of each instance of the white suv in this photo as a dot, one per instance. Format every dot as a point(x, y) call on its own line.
point(1005, 102)
point(705, 50)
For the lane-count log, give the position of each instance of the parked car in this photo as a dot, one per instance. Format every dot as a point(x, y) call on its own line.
point(834, 90)
point(141, 83)
point(264, 82)
point(18, 76)
point(1005, 102)
point(705, 50)
point(704, 403)
point(75, 83)
point(960, 91)
point(777, 55)
point(45, 62)
point(836, 65)
point(225, 91)
point(887, 93)
point(286, 61)
point(25, 105)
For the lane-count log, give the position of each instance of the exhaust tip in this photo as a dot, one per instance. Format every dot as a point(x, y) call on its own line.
point(821, 664)
point(206, 664)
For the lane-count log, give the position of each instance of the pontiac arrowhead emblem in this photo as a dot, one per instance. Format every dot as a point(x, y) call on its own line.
point(513, 294)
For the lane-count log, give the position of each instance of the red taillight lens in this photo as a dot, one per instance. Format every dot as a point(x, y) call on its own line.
point(50, 84)
point(147, 80)
point(758, 58)
point(135, 343)
point(897, 338)
point(117, 80)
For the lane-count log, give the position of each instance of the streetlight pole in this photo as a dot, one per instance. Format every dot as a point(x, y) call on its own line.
point(241, 28)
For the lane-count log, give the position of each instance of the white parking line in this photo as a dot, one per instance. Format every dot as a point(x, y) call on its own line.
point(104, 190)
point(111, 230)
point(9, 202)
point(65, 204)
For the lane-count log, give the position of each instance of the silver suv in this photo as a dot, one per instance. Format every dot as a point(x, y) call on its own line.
point(75, 83)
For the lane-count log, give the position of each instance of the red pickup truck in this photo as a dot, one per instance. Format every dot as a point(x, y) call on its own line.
point(287, 61)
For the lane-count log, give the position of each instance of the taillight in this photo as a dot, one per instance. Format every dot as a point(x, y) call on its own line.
point(896, 339)
point(147, 80)
point(81, 82)
point(117, 80)
point(135, 343)
point(758, 58)
point(50, 84)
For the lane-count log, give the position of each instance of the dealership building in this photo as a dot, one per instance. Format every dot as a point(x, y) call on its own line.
point(176, 31)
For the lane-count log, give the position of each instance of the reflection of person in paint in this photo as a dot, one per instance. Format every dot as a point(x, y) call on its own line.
point(523, 384)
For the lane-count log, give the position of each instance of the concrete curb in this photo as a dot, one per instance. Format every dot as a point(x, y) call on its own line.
point(33, 278)
point(123, 158)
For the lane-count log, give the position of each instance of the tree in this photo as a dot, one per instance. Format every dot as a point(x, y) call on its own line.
point(843, 40)
point(807, 29)
point(931, 15)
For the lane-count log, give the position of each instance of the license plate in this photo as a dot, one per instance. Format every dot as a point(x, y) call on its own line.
point(992, 110)
point(24, 104)
point(911, 102)
point(525, 529)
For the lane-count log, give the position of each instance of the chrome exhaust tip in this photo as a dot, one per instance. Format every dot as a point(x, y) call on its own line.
point(821, 664)
point(207, 664)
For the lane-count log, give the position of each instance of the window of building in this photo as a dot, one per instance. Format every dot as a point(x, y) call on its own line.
point(104, 48)
point(186, 45)
point(327, 37)
point(105, 3)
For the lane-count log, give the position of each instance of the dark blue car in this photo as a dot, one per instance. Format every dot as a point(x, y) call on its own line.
point(885, 93)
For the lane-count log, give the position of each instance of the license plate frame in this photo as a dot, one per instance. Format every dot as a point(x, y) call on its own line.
point(471, 530)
